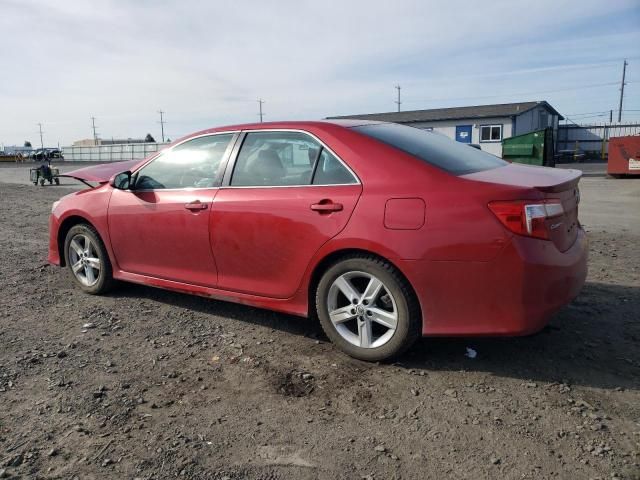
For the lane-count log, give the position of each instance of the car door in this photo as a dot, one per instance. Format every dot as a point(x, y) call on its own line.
point(287, 195)
point(160, 227)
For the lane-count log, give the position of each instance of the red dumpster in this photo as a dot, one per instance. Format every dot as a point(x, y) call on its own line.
point(624, 155)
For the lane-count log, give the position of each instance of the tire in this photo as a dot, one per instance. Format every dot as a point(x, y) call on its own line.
point(42, 182)
point(94, 274)
point(57, 180)
point(370, 327)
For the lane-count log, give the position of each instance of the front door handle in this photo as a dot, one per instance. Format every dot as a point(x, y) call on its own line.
point(326, 206)
point(195, 205)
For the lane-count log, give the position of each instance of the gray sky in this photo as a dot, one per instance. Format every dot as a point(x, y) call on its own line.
point(206, 62)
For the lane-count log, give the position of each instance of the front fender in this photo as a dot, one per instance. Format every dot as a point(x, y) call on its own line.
point(86, 206)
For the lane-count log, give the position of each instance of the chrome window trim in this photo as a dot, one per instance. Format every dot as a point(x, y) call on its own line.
point(186, 189)
point(291, 186)
point(225, 159)
point(232, 163)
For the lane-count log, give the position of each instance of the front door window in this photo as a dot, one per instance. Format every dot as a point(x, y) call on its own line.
point(192, 164)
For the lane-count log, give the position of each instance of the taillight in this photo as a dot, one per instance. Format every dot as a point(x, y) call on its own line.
point(525, 217)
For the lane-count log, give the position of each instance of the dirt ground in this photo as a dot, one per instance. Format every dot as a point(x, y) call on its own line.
point(149, 384)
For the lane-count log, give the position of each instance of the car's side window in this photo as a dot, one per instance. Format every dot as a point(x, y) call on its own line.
point(193, 164)
point(330, 171)
point(275, 159)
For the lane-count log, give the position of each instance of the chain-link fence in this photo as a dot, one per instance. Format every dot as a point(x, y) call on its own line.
point(111, 153)
point(588, 138)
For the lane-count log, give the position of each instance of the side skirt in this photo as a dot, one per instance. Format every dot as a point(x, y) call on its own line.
point(289, 305)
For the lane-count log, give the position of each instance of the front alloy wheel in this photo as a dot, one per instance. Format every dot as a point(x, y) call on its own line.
point(87, 259)
point(367, 308)
point(84, 260)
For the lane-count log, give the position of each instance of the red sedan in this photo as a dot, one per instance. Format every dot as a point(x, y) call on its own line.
point(383, 232)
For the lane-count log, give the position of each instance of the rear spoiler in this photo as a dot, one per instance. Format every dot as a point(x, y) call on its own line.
point(571, 182)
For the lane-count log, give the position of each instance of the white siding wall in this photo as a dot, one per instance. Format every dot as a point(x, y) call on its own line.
point(448, 128)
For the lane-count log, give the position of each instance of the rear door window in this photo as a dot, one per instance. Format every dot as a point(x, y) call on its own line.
point(273, 159)
point(330, 171)
point(435, 149)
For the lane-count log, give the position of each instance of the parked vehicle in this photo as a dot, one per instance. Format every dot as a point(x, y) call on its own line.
point(382, 231)
point(55, 153)
point(38, 154)
point(569, 155)
point(46, 153)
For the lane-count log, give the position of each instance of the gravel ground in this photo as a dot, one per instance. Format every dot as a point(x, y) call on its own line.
point(144, 383)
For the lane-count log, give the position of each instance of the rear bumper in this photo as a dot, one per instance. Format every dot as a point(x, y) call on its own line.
point(515, 294)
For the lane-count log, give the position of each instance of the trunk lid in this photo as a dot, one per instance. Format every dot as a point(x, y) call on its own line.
point(563, 229)
point(551, 184)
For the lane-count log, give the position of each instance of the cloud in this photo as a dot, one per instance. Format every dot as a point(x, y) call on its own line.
point(206, 63)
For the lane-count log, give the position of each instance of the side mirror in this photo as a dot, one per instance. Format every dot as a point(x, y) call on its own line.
point(121, 181)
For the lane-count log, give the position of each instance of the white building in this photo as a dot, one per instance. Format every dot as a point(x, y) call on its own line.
point(14, 149)
point(484, 125)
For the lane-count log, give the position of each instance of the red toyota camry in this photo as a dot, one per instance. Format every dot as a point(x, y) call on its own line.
point(383, 232)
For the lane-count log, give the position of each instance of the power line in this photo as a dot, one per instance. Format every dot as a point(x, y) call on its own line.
point(624, 71)
point(597, 114)
point(526, 93)
point(589, 116)
point(162, 122)
point(260, 113)
point(585, 113)
point(398, 102)
point(95, 134)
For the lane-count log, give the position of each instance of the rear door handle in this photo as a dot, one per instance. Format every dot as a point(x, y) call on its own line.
point(195, 205)
point(326, 206)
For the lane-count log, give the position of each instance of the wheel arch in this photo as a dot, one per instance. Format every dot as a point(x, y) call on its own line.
point(66, 225)
point(333, 257)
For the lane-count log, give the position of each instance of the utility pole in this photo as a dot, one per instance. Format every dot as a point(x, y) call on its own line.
point(610, 116)
point(260, 113)
point(95, 135)
point(162, 122)
point(624, 71)
point(41, 142)
point(398, 102)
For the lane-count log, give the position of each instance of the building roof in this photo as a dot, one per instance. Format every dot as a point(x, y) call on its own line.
point(453, 113)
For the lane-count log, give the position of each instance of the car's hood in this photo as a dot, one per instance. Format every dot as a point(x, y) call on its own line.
point(102, 173)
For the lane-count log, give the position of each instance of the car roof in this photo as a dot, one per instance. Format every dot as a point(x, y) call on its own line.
point(292, 124)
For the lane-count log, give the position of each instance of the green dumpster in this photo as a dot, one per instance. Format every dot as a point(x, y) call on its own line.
point(534, 148)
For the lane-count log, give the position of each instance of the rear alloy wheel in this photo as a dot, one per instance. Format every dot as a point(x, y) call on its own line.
point(367, 309)
point(87, 259)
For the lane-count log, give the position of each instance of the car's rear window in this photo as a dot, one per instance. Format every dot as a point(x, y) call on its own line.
point(437, 150)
